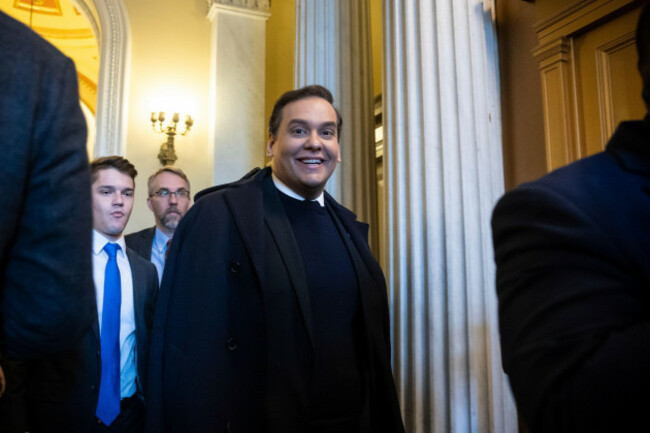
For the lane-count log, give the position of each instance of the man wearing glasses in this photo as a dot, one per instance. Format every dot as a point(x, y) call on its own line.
point(169, 199)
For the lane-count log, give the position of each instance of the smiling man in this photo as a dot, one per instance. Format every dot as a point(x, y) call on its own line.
point(273, 310)
point(169, 199)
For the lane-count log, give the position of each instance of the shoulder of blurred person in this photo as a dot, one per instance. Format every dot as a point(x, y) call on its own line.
point(46, 276)
point(572, 251)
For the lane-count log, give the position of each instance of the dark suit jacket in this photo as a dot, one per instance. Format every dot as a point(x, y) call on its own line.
point(52, 407)
point(46, 288)
point(141, 242)
point(573, 279)
point(231, 346)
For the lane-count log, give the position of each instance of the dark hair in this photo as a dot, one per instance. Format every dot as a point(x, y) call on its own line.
point(643, 49)
point(117, 162)
point(295, 95)
point(166, 169)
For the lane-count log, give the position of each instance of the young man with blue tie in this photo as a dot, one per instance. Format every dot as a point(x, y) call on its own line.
point(111, 360)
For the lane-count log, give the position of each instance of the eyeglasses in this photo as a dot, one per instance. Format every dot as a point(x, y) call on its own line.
point(166, 194)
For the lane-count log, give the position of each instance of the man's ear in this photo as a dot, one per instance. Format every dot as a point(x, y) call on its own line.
point(269, 145)
point(149, 204)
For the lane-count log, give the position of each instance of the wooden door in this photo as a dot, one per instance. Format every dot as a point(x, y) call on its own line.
point(590, 82)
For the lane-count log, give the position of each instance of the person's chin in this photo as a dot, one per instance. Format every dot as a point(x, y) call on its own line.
point(314, 182)
point(115, 231)
point(171, 224)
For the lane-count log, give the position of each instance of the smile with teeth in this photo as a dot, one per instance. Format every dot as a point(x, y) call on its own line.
point(311, 161)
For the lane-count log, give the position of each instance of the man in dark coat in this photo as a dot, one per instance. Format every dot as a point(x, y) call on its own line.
point(573, 279)
point(46, 291)
point(273, 314)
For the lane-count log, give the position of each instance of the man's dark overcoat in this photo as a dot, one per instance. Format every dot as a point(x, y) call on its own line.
point(231, 346)
point(573, 279)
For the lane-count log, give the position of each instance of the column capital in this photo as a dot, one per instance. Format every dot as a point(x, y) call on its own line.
point(260, 9)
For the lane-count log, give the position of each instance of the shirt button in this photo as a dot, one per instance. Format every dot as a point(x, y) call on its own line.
point(231, 344)
point(235, 267)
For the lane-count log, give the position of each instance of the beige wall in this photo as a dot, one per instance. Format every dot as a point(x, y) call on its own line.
point(170, 55)
point(280, 51)
point(521, 95)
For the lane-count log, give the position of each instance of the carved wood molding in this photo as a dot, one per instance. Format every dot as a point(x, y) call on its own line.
point(553, 52)
point(605, 95)
point(575, 17)
point(555, 57)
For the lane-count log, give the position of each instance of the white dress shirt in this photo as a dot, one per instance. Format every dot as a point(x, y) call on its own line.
point(128, 368)
point(288, 191)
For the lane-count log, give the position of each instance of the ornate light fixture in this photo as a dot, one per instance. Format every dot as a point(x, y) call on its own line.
point(167, 155)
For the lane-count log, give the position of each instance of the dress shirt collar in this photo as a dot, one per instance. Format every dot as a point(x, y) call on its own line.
point(288, 191)
point(160, 240)
point(99, 241)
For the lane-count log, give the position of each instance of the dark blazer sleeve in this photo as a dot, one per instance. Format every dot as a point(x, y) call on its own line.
point(575, 333)
point(45, 261)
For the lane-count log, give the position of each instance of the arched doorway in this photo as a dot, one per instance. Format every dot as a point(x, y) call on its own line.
point(96, 37)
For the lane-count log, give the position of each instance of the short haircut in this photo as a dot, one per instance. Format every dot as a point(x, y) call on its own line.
point(167, 169)
point(295, 95)
point(117, 162)
point(643, 49)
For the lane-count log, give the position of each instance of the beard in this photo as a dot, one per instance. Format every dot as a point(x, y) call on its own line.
point(170, 219)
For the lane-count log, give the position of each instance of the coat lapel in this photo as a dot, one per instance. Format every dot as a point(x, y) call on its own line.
point(356, 232)
point(281, 231)
point(255, 209)
point(245, 208)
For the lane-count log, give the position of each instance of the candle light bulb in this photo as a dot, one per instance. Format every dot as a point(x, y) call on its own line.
point(161, 116)
point(175, 118)
point(153, 117)
point(188, 120)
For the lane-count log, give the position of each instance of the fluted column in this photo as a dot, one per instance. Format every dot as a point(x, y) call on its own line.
point(237, 86)
point(333, 50)
point(443, 173)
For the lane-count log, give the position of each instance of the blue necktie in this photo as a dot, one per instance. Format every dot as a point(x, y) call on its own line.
point(108, 404)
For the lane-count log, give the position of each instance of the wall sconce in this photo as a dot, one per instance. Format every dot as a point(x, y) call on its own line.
point(167, 155)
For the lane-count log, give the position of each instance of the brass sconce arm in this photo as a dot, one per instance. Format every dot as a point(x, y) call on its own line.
point(167, 154)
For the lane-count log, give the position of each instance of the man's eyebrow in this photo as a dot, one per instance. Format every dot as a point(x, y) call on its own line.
point(304, 122)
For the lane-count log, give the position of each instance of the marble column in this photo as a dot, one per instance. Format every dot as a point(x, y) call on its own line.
point(237, 86)
point(443, 174)
point(333, 50)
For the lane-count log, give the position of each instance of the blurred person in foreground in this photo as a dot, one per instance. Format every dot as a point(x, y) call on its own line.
point(573, 279)
point(46, 289)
